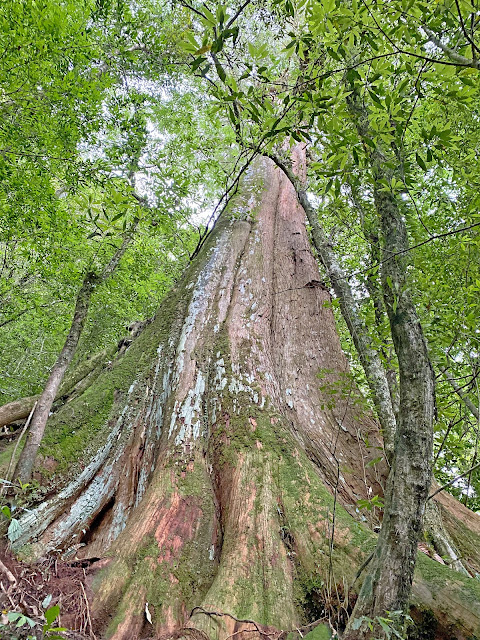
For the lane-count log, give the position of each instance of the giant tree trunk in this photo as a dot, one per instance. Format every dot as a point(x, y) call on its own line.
point(232, 451)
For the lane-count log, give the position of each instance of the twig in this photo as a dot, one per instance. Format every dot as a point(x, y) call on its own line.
point(276, 635)
point(8, 573)
point(229, 615)
point(88, 612)
point(232, 20)
point(464, 29)
point(414, 246)
point(5, 591)
point(17, 444)
point(363, 566)
point(448, 484)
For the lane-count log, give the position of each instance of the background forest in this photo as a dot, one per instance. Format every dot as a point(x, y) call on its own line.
point(128, 127)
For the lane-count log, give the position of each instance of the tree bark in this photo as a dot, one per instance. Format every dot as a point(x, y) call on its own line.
point(388, 583)
point(26, 461)
point(368, 355)
point(383, 390)
point(16, 410)
point(233, 452)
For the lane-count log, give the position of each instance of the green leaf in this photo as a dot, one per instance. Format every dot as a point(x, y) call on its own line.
point(52, 614)
point(385, 626)
point(6, 511)
point(375, 98)
point(21, 621)
point(320, 632)
point(46, 601)
point(13, 616)
point(220, 70)
point(197, 62)
point(14, 530)
point(421, 162)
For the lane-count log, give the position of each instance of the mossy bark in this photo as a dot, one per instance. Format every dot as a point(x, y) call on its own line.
point(387, 584)
point(76, 382)
point(221, 459)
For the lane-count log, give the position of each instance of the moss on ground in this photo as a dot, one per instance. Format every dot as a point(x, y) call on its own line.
point(439, 577)
point(6, 456)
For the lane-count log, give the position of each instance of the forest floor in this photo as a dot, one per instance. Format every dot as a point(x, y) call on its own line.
point(24, 587)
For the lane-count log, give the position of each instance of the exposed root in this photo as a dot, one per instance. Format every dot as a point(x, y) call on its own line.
point(263, 631)
point(8, 573)
point(87, 606)
point(229, 615)
point(443, 544)
point(189, 632)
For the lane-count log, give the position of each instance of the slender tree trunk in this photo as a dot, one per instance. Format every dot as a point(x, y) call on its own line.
point(388, 583)
point(375, 372)
point(222, 485)
point(26, 462)
point(373, 284)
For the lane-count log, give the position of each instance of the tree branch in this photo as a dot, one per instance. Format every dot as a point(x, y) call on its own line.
point(451, 53)
point(465, 399)
point(449, 484)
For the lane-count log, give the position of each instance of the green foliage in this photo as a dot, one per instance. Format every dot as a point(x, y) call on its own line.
point(370, 504)
point(320, 632)
point(108, 156)
point(19, 620)
point(115, 118)
point(390, 626)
